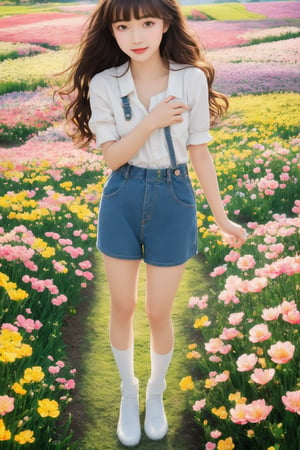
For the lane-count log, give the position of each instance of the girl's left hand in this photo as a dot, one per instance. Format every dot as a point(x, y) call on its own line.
point(234, 235)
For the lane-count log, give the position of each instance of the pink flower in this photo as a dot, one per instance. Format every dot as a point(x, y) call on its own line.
point(239, 414)
point(257, 284)
point(229, 333)
point(222, 377)
point(199, 404)
point(271, 313)
point(236, 318)
point(6, 404)
point(218, 271)
point(246, 362)
point(282, 352)
point(59, 300)
point(292, 401)
point(232, 256)
point(70, 384)
point(261, 376)
point(214, 345)
point(259, 333)
point(246, 262)
point(60, 364)
point(28, 324)
point(292, 317)
point(287, 306)
point(85, 265)
point(54, 369)
point(215, 434)
point(257, 411)
point(210, 446)
point(9, 326)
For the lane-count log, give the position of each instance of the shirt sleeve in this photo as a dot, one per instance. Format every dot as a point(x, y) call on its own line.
point(102, 122)
point(199, 120)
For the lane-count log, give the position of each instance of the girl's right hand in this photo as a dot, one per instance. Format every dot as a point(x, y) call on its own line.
point(166, 113)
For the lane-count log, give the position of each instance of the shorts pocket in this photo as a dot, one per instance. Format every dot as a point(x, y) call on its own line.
point(182, 191)
point(114, 184)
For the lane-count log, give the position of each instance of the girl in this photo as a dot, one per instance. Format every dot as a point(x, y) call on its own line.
point(141, 87)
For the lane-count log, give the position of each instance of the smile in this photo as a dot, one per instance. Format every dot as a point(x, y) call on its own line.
point(139, 50)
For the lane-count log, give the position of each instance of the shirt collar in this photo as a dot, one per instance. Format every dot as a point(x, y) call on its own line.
point(127, 85)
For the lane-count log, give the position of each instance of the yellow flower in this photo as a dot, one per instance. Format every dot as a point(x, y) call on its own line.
point(193, 355)
point(186, 384)
point(5, 434)
point(237, 398)
point(199, 323)
point(262, 362)
point(18, 388)
point(25, 437)
point(226, 444)
point(48, 408)
point(192, 346)
point(34, 374)
point(250, 433)
point(48, 252)
point(220, 412)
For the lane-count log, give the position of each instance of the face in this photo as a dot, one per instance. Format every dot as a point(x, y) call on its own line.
point(139, 38)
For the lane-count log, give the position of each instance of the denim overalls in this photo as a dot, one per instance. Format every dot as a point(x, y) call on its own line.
point(148, 213)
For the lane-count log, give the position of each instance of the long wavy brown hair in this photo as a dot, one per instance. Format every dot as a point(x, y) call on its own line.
point(99, 51)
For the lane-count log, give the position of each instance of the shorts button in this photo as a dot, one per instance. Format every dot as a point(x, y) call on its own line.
point(177, 172)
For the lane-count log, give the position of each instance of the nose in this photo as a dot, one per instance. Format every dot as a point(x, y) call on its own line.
point(136, 35)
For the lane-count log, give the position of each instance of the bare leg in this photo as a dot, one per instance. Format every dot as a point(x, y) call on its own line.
point(162, 285)
point(122, 276)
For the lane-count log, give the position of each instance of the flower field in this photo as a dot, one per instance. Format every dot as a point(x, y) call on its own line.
point(242, 373)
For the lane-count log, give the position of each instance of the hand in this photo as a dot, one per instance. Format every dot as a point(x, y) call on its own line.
point(233, 234)
point(166, 113)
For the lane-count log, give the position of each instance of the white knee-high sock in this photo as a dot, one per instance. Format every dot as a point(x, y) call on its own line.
point(124, 360)
point(159, 367)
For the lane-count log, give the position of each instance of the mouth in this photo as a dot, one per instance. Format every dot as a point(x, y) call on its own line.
point(139, 50)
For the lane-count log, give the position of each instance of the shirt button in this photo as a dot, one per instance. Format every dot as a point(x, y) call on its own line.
point(177, 172)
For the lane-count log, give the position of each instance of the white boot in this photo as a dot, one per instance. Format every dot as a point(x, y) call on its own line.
point(156, 424)
point(129, 428)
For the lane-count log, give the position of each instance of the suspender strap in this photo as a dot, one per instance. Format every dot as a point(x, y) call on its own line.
point(126, 107)
point(128, 115)
point(170, 147)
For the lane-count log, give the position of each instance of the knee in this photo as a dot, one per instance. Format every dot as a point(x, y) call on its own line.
point(123, 309)
point(157, 317)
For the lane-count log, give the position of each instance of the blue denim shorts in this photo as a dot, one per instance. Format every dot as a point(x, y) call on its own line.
point(148, 214)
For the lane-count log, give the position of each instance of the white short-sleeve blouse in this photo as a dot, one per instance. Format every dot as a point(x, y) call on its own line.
point(108, 123)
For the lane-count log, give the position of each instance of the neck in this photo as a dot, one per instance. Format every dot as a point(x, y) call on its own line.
point(148, 70)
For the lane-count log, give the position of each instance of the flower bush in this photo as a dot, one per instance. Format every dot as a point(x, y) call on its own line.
point(244, 356)
point(275, 10)
point(42, 272)
point(38, 112)
point(26, 74)
point(12, 50)
point(44, 28)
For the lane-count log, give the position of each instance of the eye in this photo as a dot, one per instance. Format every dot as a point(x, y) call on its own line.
point(148, 24)
point(120, 26)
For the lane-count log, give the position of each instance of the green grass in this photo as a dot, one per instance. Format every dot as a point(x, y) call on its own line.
point(10, 10)
point(223, 11)
point(96, 407)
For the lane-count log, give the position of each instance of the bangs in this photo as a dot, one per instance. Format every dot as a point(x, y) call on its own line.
point(125, 10)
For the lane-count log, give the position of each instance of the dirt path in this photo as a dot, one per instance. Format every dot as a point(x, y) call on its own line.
point(96, 400)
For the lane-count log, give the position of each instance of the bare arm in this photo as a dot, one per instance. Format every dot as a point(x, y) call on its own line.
point(205, 170)
point(117, 153)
